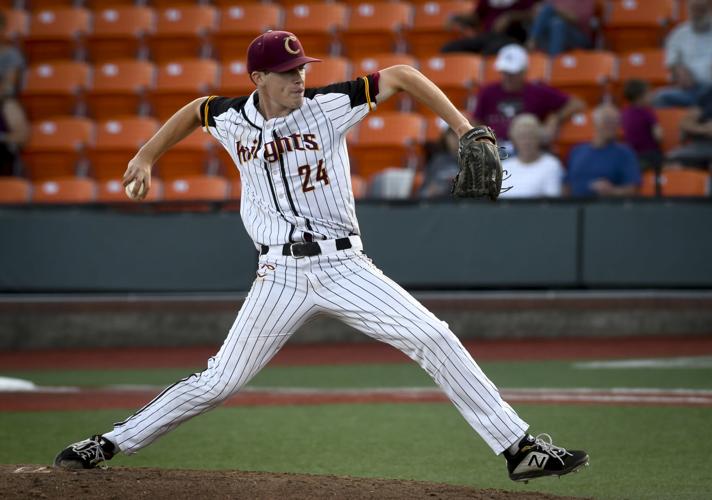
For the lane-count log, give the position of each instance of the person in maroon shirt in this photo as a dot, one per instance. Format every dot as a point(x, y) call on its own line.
point(641, 129)
point(498, 103)
point(493, 24)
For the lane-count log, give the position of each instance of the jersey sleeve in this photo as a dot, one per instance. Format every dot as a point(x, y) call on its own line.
point(347, 103)
point(213, 111)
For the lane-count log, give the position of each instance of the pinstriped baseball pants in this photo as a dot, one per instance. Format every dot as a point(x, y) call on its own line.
point(345, 285)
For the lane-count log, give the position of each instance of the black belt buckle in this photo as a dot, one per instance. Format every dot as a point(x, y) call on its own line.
point(299, 250)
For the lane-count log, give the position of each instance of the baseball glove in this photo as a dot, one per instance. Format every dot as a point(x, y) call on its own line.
point(481, 171)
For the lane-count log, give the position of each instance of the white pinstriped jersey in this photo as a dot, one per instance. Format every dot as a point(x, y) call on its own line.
point(295, 172)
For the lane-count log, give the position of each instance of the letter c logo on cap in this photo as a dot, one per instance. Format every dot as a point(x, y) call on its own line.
point(289, 49)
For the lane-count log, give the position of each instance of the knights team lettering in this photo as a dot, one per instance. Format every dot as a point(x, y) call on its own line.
point(271, 150)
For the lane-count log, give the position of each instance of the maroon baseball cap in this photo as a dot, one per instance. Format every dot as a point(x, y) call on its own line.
point(276, 51)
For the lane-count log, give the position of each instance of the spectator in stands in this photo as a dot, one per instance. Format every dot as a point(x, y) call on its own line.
point(441, 167)
point(561, 25)
point(498, 103)
point(688, 56)
point(14, 132)
point(641, 129)
point(11, 64)
point(493, 24)
point(697, 126)
point(603, 167)
point(533, 172)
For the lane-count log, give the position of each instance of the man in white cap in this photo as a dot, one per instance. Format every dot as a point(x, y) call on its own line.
point(499, 102)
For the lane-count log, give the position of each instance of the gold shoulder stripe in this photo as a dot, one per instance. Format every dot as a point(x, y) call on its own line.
point(205, 111)
point(368, 93)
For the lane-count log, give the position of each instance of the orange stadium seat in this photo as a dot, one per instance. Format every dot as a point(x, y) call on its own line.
point(646, 64)
point(636, 24)
point(189, 157)
point(54, 88)
point(669, 119)
point(180, 82)
point(584, 74)
point(456, 74)
point(430, 26)
point(329, 70)
point(16, 23)
point(240, 24)
point(112, 191)
point(55, 147)
point(317, 25)
point(119, 87)
point(196, 188)
point(116, 142)
point(538, 69)
point(119, 32)
point(435, 126)
point(64, 190)
point(677, 181)
point(375, 28)
point(47, 4)
point(376, 62)
point(359, 187)
point(234, 80)
point(182, 31)
point(388, 139)
point(578, 129)
point(56, 33)
point(14, 190)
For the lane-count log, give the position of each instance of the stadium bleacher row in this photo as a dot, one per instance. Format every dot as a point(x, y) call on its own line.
point(103, 74)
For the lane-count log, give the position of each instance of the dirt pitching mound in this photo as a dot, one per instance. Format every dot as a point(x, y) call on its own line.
point(34, 481)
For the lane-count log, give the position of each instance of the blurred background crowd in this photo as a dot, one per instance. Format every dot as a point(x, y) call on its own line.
point(589, 98)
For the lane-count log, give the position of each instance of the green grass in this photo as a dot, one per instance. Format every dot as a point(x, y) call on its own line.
point(636, 453)
point(504, 374)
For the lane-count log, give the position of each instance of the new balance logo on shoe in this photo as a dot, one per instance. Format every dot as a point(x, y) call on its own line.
point(538, 460)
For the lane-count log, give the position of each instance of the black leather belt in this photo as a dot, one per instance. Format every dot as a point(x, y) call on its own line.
point(308, 248)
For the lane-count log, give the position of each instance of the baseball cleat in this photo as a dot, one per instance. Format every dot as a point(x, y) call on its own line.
point(87, 454)
point(539, 457)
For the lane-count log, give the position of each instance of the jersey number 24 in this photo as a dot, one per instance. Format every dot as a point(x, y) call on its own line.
point(305, 174)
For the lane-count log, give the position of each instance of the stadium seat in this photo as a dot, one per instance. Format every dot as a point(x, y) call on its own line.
point(538, 69)
point(240, 24)
point(375, 28)
point(118, 88)
point(180, 82)
point(456, 74)
point(584, 74)
point(119, 32)
point(636, 24)
point(196, 188)
point(55, 147)
point(56, 33)
point(181, 32)
point(189, 157)
point(429, 31)
point(387, 139)
point(235, 188)
point(578, 129)
point(69, 190)
point(234, 80)
point(677, 181)
point(317, 25)
point(434, 127)
point(647, 65)
point(54, 88)
point(116, 142)
point(16, 23)
point(329, 70)
point(669, 119)
point(359, 187)
point(112, 191)
point(47, 4)
point(376, 62)
point(14, 190)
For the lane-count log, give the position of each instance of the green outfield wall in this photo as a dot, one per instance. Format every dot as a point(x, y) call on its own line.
point(438, 245)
